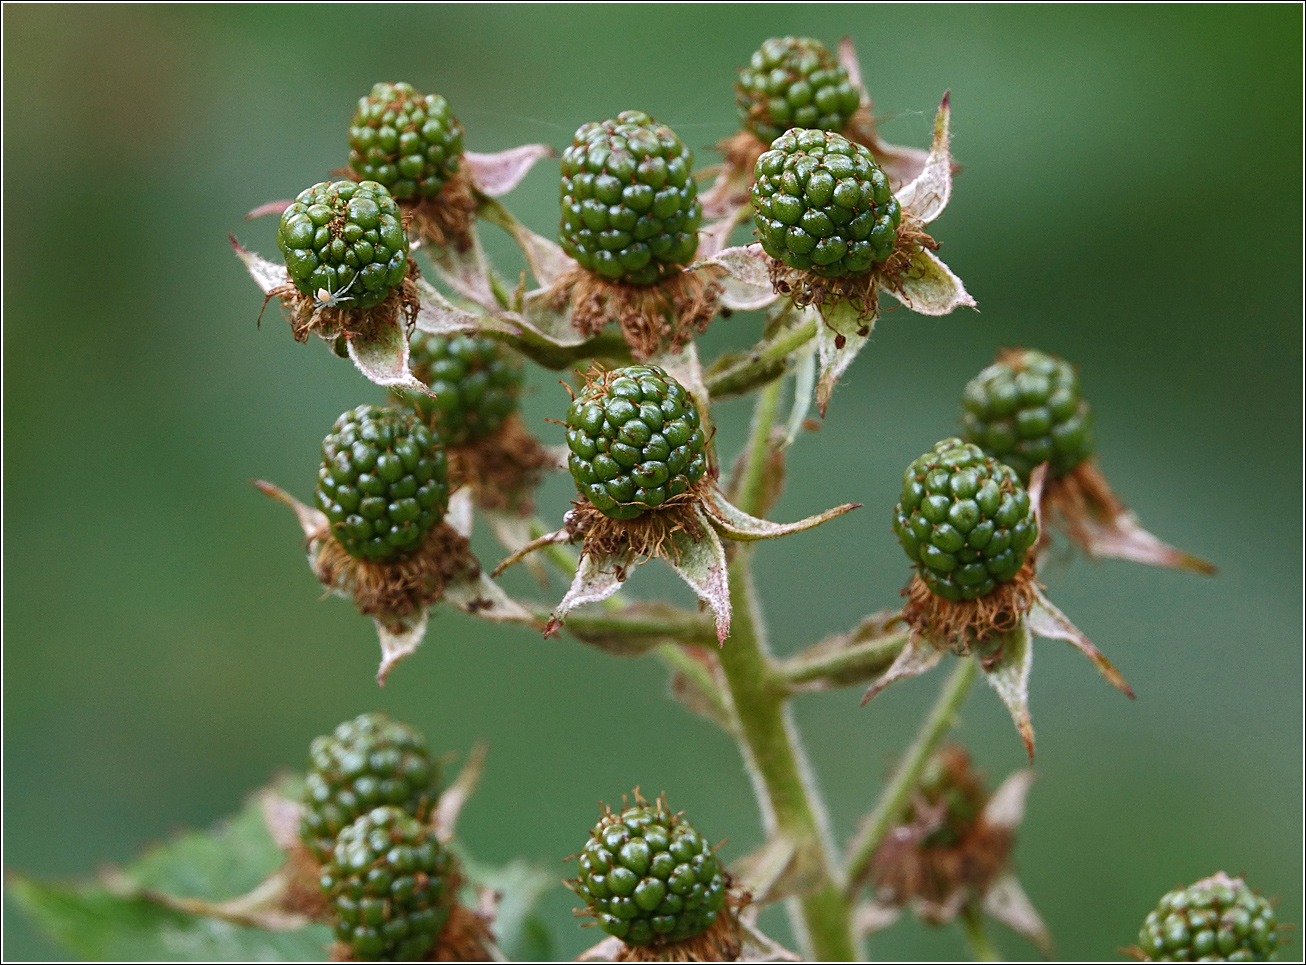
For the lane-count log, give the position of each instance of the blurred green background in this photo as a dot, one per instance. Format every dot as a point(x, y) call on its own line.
point(1131, 200)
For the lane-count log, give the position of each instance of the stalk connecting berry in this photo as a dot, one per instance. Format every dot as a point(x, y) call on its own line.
point(630, 209)
point(649, 877)
point(636, 441)
point(964, 519)
point(344, 239)
point(383, 482)
point(794, 82)
point(476, 382)
point(1026, 409)
point(1218, 919)
point(365, 763)
point(388, 884)
point(822, 204)
point(407, 141)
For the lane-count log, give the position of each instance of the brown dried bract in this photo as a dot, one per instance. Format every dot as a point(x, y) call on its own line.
point(308, 316)
point(807, 288)
point(665, 314)
point(303, 895)
point(907, 867)
point(445, 221)
point(466, 937)
point(963, 624)
point(395, 588)
point(502, 469)
point(1078, 496)
point(649, 535)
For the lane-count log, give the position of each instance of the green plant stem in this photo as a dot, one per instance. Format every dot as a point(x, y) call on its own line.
point(690, 628)
point(764, 362)
point(971, 920)
point(928, 738)
point(790, 805)
point(748, 489)
point(841, 662)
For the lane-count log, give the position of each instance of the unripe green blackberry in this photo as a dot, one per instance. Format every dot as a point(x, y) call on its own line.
point(636, 441)
point(383, 481)
point(1218, 919)
point(1026, 409)
point(630, 209)
point(344, 238)
point(476, 382)
point(365, 763)
point(794, 82)
point(648, 875)
point(388, 885)
point(964, 519)
point(822, 204)
point(407, 141)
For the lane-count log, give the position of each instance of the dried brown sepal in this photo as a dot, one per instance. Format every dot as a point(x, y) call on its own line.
point(964, 624)
point(806, 288)
point(395, 588)
point(446, 220)
point(937, 877)
point(466, 937)
point(502, 469)
point(1084, 506)
point(308, 316)
point(664, 315)
point(303, 895)
point(649, 535)
point(734, 175)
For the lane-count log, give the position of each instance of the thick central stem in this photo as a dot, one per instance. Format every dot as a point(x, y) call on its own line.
point(790, 804)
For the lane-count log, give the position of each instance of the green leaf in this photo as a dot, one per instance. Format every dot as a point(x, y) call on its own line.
point(522, 935)
point(96, 924)
point(114, 917)
point(111, 919)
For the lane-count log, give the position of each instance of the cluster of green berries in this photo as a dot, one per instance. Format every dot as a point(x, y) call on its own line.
point(1026, 409)
point(964, 519)
point(630, 208)
point(794, 82)
point(1218, 919)
point(383, 482)
point(822, 204)
point(388, 885)
point(636, 440)
point(365, 763)
point(368, 797)
point(407, 141)
point(345, 239)
point(476, 382)
point(649, 877)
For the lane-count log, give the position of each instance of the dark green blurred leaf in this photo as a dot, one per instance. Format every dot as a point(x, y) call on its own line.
point(522, 934)
point(94, 924)
point(99, 921)
point(109, 919)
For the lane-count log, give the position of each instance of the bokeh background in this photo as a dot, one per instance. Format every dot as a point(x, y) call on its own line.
point(1131, 200)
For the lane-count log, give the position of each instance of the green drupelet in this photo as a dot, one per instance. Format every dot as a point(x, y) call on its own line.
point(822, 204)
point(636, 441)
point(382, 483)
point(965, 520)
